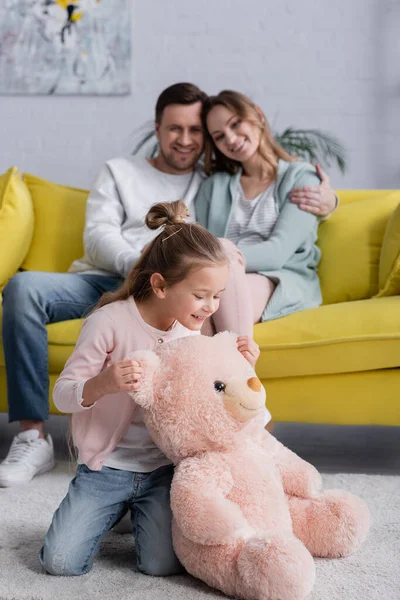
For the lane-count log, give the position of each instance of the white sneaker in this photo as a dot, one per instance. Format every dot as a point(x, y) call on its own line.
point(28, 456)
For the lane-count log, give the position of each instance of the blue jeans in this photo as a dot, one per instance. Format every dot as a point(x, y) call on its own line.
point(31, 300)
point(95, 502)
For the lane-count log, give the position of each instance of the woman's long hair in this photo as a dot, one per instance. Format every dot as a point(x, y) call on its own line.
point(246, 110)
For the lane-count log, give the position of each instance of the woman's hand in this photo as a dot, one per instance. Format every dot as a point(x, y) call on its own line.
point(123, 376)
point(248, 348)
point(319, 200)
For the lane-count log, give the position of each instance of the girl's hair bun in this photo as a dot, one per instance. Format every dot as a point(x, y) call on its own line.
point(166, 213)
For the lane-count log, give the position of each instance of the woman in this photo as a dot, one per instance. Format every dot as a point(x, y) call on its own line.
point(246, 201)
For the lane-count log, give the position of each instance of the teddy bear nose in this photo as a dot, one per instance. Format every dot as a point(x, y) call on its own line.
point(254, 384)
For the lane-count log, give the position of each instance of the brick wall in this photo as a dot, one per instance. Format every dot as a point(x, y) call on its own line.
point(327, 64)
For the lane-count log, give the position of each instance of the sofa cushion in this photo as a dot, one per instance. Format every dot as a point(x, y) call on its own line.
point(61, 338)
point(59, 223)
point(340, 338)
point(16, 223)
point(350, 242)
point(350, 196)
point(389, 264)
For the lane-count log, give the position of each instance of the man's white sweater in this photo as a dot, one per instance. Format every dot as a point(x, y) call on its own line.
point(123, 192)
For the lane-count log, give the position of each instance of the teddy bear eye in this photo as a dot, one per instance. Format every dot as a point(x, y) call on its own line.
point(219, 386)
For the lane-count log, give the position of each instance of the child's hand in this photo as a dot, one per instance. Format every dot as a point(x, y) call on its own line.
point(248, 347)
point(123, 376)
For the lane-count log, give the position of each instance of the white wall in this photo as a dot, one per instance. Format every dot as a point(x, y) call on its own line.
point(328, 64)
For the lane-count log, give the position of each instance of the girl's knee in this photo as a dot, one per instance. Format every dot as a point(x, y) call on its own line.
point(232, 252)
point(59, 563)
point(227, 245)
point(160, 566)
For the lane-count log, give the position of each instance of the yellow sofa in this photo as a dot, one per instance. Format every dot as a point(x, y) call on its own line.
point(339, 363)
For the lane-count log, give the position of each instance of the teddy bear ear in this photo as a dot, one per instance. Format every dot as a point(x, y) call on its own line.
point(149, 361)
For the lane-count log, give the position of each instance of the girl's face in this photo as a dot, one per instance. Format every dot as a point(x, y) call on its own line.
point(197, 297)
point(237, 139)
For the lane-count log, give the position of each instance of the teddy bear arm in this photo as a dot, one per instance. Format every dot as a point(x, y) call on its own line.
point(299, 478)
point(201, 509)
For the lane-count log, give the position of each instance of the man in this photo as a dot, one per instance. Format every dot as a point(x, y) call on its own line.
point(114, 236)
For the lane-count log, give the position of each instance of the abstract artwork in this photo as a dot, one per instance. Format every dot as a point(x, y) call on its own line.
point(60, 47)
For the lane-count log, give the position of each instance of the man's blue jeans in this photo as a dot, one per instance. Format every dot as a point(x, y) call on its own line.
point(31, 300)
point(95, 501)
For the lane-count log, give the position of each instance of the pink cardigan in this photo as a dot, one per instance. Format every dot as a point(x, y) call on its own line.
point(108, 336)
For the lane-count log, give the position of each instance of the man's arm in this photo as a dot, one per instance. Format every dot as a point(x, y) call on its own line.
point(105, 214)
point(319, 200)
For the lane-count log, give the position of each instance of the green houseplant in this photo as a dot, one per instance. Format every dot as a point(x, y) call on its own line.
point(314, 146)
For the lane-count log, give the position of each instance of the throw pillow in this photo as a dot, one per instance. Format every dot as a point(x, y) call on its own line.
point(389, 264)
point(350, 242)
point(16, 223)
point(59, 223)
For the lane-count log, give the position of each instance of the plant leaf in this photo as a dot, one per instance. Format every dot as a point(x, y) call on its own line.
point(314, 145)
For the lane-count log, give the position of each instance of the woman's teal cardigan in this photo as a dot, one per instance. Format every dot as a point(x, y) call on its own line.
point(289, 255)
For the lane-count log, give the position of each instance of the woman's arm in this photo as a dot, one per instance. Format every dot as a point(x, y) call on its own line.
point(291, 230)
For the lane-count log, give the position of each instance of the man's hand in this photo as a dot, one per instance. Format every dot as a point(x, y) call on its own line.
point(248, 347)
point(319, 200)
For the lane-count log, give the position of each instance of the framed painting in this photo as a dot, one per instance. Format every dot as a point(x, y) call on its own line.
point(61, 47)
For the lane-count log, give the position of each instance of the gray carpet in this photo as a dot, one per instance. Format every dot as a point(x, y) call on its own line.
point(371, 574)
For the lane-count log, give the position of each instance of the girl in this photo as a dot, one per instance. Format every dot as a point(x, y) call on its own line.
point(173, 288)
point(247, 202)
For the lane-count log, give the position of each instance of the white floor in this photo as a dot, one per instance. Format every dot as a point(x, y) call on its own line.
point(363, 460)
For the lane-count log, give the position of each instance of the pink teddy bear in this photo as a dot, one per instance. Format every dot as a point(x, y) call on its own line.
point(248, 514)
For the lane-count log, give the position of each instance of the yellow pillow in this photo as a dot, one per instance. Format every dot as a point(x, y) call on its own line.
point(350, 242)
point(16, 223)
point(59, 223)
point(389, 265)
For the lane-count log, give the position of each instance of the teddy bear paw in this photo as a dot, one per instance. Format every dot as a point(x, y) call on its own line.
point(275, 567)
point(349, 521)
point(332, 525)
